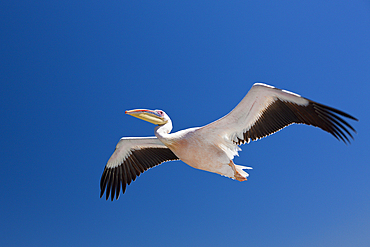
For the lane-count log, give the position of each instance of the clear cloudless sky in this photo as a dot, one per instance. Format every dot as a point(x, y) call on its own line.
point(69, 70)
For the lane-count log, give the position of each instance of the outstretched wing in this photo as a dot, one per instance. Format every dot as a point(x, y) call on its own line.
point(266, 110)
point(133, 156)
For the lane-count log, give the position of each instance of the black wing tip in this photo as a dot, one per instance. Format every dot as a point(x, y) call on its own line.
point(109, 185)
point(107, 195)
point(331, 112)
point(339, 112)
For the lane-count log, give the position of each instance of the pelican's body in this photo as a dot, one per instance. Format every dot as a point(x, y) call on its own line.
point(263, 111)
point(194, 148)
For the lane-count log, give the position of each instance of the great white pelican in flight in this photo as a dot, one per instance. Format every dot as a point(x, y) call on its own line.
point(262, 112)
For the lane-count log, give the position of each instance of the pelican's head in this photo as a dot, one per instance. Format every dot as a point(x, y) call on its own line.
point(157, 117)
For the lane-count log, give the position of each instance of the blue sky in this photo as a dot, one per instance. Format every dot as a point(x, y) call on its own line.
point(70, 69)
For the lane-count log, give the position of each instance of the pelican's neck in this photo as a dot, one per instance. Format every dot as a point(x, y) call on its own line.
point(162, 131)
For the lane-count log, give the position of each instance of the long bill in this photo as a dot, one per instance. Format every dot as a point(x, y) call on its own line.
point(150, 116)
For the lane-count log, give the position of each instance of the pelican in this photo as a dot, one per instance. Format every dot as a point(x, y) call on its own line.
point(262, 112)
